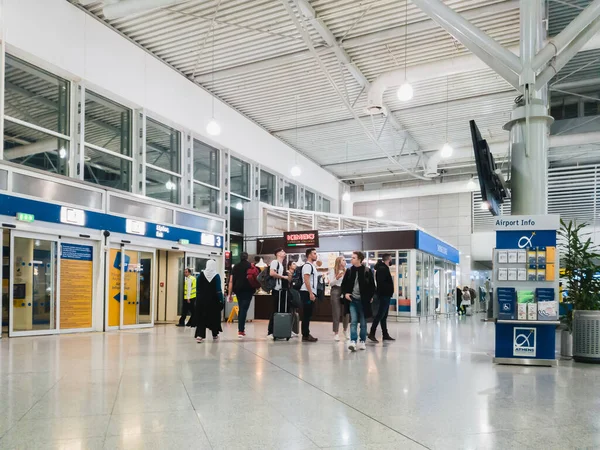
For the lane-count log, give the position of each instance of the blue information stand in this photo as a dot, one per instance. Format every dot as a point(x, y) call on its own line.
point(526, 283)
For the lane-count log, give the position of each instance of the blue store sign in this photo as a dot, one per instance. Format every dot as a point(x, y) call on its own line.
point(509, 240)
point(48, 212)
point(434, 246)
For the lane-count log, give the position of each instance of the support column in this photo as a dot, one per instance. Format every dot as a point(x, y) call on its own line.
point(529, 123)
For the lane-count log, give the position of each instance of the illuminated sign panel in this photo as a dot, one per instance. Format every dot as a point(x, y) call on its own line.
point(301, 238)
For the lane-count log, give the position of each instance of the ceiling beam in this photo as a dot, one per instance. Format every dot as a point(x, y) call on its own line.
point(365, 39)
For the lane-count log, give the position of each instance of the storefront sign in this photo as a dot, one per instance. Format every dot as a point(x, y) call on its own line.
point(72, 216)
point(76, 286)
point(433, 246)
point(301, 238)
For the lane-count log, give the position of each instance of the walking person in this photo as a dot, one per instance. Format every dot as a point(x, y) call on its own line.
point(210, 302)
point(385, 291)
point(189, 299)
point(279, 292)
point(240, 286)
point(339, 307)
point(358, 287)
point(308, 293)
point(458, 300)
point(466, 300)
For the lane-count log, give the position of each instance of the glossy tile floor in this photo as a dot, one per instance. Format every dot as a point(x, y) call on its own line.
point(435, 387)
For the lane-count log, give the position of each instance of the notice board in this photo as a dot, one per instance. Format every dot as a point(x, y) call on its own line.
point(76, 286)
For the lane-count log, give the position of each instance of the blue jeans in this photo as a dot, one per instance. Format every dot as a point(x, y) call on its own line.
point(357, 313)
point(244, 299)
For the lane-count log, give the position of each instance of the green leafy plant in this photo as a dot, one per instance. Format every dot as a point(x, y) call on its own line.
point(579, 259)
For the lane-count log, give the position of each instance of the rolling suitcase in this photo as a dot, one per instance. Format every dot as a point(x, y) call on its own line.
point(282, 323)
point(469, 311)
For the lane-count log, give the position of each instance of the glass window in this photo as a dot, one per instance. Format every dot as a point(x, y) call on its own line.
point(236, 214)
point(34, 96)
point(33, 148)
point(239, 177)
point(267, 187)
point(326, 205)
point(163, 146)
point(206, 164)
point(309, 201)
point(206, 199)
point(107, 124)
point(162, 186)
point(290, 196)
point(108, 135)
point(106, 169)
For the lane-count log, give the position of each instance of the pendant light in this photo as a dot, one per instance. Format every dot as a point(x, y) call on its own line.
point(405, 91)
point(447, 150)
point(471, 184)
point(296, 171)
point(213, 128)
point(346, 196)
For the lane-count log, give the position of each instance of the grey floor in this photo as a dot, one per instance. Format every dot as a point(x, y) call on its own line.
point(435, 387)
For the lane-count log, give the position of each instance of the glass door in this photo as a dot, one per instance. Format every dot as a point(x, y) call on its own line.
point(34, 285)
point(130, 294)
point(137, 287)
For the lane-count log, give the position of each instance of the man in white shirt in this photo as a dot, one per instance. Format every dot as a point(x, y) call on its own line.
point(279, 292)
point(308, 293)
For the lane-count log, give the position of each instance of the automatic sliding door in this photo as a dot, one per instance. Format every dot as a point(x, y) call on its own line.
point(137, 292)
point(33, 285)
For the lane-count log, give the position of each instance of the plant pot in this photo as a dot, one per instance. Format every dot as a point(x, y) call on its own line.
point(586, 336)
point(566, 344)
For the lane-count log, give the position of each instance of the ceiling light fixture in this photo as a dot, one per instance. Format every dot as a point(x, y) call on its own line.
point(62, 153)
point(239, 206)
point(379, 213)
point(471, 184)
point(485, 206)
point(296, 171)
point(213, 128)
point(170, 186)
point(346, 196)
point(405, 92)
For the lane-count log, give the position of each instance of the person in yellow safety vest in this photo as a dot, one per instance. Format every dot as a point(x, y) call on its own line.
point(189, 300)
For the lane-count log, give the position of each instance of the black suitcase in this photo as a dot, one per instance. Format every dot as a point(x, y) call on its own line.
point(282, 323)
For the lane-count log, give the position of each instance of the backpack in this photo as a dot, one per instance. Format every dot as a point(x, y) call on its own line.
point(252, 275)
point(297, 279)
point(320, 294)
point(267, 282)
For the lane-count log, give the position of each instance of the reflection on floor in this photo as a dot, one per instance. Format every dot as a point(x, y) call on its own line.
point(435, 387)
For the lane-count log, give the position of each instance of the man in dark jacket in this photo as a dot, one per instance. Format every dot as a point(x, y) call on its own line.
point(385, 291)
point(358, 287)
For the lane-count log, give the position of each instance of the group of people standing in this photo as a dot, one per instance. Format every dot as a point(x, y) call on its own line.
point(356, 292)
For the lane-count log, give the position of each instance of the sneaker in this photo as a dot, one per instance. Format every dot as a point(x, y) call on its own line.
point(241, 334)
point(199, 340)
point(352, 346)
point(372, 338)
point(215, 338)
point(346, 336)
point(294, 334)
point(309, 338)
point(362, 345)
point(179, 325)
point(387, 337)
point(336, 337)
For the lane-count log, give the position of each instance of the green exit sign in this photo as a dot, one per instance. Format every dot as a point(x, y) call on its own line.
point(24, 217)
point(184, 241)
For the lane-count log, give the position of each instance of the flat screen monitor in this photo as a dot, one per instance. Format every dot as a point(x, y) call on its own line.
point(491, 188)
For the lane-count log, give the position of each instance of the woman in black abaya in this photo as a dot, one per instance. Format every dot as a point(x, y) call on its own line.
point(209, 302)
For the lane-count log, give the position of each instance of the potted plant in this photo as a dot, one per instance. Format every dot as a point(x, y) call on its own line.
point(580, 259)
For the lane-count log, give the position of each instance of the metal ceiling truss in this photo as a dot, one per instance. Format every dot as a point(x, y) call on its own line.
point(309, 14)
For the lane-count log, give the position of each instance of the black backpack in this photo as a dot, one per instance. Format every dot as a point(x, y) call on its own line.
point(297, 279)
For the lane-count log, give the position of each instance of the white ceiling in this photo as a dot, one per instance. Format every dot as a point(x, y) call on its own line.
point(263, 68)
